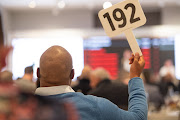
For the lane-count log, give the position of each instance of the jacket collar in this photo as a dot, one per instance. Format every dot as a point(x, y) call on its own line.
point(54, 90)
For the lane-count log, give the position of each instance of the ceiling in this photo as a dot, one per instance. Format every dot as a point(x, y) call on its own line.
point(75, 4)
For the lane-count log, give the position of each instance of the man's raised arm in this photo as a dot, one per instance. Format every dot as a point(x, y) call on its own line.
point(137, 107)
point(137, 97)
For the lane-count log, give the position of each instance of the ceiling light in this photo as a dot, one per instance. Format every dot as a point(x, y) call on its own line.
point(32, 4)
point(61, 4)
point(107, 4)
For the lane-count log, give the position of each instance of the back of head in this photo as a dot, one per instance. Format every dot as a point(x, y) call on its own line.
point(123, 77)
point(6, 76)
point(85, 72)
point(98, 75)
point(101, 73)
point(28, 70)
point(55, 66)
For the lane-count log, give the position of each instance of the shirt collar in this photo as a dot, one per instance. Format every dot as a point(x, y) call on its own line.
point(54, 90)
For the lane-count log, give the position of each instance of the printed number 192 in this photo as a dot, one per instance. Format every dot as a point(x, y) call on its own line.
point(123, 17)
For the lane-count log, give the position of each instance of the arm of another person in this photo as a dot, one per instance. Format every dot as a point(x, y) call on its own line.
point(137, 109)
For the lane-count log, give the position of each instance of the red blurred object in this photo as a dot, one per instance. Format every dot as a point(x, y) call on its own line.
point(99, 58)
point(3, 54)
point(147, 57)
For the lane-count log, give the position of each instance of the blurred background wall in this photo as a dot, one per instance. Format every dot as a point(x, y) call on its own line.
point(56, 18)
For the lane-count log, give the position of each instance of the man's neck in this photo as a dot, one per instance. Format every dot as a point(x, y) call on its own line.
point(43, 83)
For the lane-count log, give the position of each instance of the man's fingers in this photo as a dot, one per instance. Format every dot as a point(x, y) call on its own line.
point(142, 61)
point(141, 58)
point(131, 59)
point(136, 57)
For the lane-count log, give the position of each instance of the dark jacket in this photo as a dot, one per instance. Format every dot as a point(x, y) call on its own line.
point(116, 93)
point(164, 86)
point(83, 86)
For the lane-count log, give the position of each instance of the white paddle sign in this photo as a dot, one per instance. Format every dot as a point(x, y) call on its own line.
point(123, 17)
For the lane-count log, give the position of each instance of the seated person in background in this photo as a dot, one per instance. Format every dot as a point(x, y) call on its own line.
point(123, 77)
point(167, 68)
point(103, 87)
point(99, 77)
point(154, 96)
point(84, 82)
point(25, 83)
point(56, 72)
point(166, 84)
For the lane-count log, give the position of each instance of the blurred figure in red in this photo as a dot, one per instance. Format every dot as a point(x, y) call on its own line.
point(17, 105)
point(3, 54)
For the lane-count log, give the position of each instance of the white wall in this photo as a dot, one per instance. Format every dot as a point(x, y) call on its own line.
point(28, 20)
point(76, 19)
point(171, 15)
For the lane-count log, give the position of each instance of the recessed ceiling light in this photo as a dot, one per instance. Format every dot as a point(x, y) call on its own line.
point(107, 4)
point(32, 4)
point(61, 4)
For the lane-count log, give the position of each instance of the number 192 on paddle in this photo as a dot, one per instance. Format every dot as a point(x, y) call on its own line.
point(123, 17)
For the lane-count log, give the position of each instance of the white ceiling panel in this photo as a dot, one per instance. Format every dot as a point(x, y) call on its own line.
point(47, 4)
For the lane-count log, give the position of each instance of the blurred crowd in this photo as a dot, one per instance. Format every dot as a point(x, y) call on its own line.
point(159, 87)
point(18, 102)
point(98, 82)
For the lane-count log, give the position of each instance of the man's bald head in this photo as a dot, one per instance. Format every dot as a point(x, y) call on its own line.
point(56, 67)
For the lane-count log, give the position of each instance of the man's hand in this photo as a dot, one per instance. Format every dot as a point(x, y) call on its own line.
point(137, 65)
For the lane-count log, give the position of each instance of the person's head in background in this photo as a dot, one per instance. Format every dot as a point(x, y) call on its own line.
point(125, 60)
point(127, 54)
point(85, 73)
point(168, 70)
point(98, 75)
point(123, 77)
point(28, 73)
point(6, 77)
point(55, 67)
point(82, 84)
point(168, 63)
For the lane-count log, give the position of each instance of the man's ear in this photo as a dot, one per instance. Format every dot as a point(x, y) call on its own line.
point(38, 72)
point(72, 74)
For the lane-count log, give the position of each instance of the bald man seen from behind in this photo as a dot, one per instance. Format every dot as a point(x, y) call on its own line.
point(56, 72)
